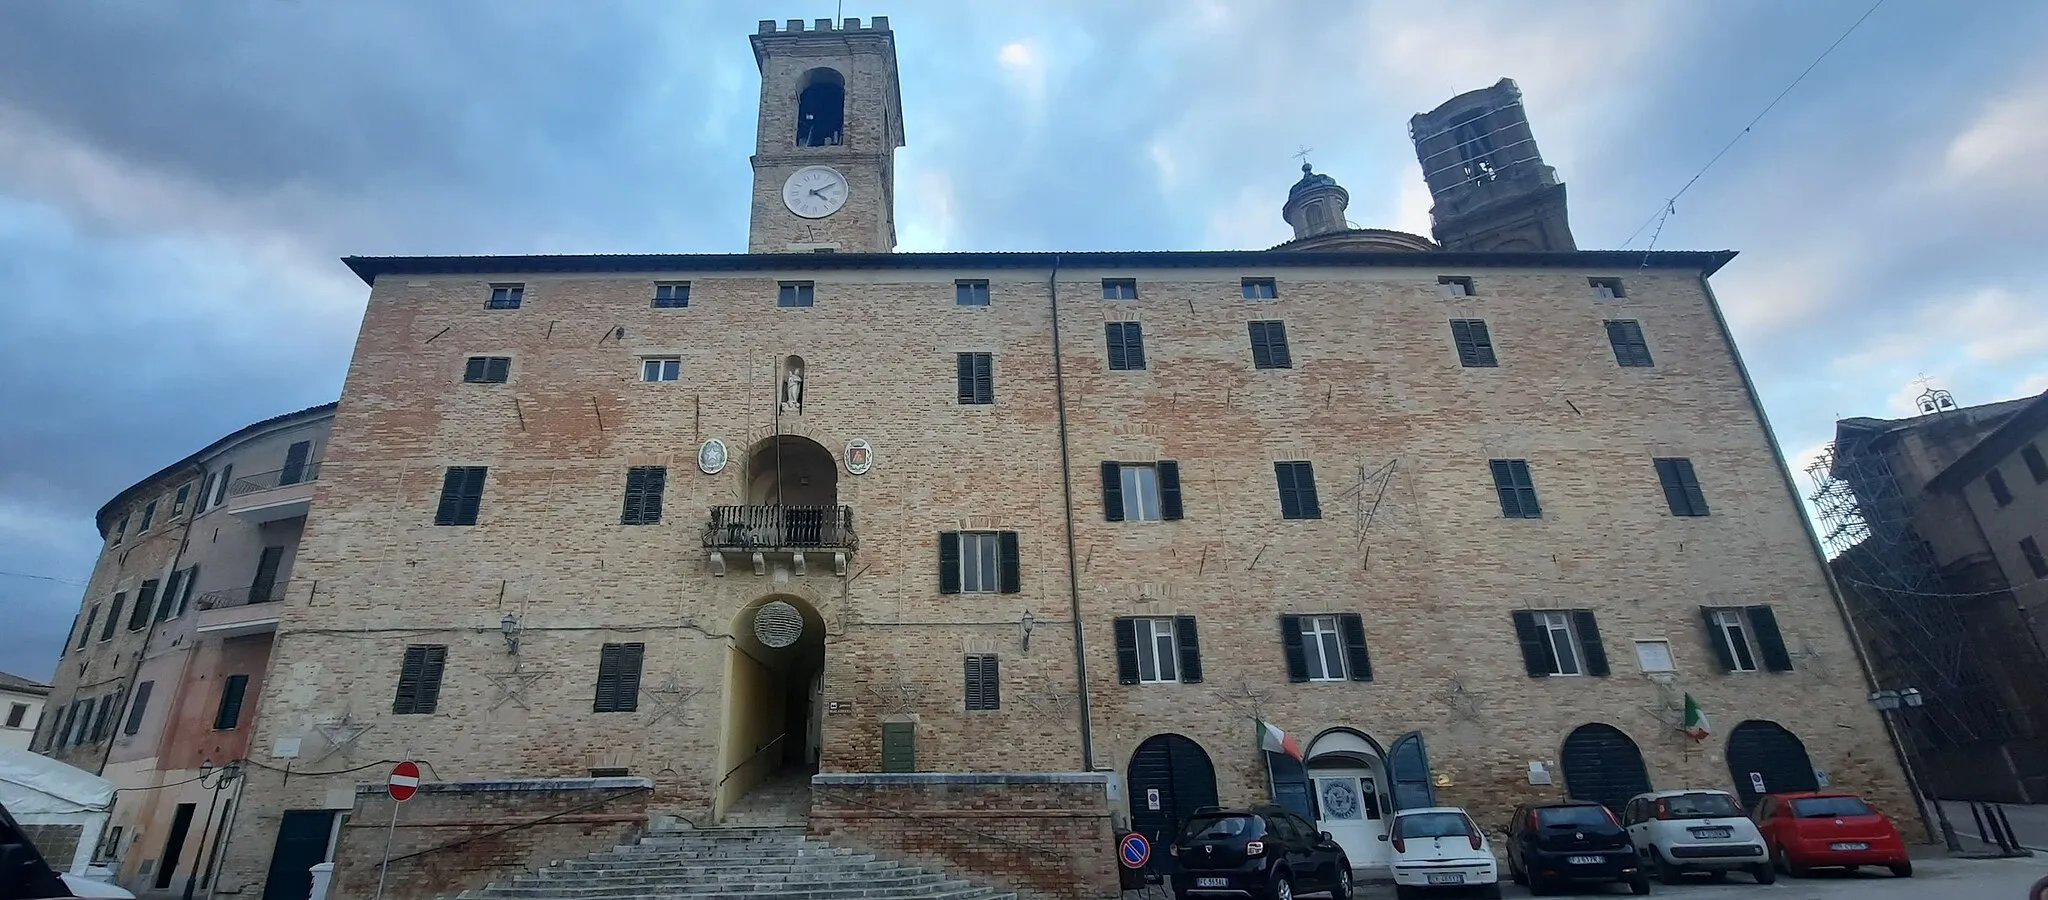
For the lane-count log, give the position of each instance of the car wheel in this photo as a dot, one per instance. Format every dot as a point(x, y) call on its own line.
point(1343, 889)
point(1902, 870)
point(1764, 873)
point(1785, 865)
point(1538, 886)
point(1639, 885)
point(1282, 887)
point(1667, 871)
point(1515, 873)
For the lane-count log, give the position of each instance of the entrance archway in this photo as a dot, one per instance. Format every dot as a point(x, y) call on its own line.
point(1347, 774)
point(773, 675)
point(1763, 751)
point(1602, 764)
point(1170, 777)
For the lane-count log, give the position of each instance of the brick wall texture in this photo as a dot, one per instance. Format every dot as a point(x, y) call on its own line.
point(1040, 839)
point(452, 838)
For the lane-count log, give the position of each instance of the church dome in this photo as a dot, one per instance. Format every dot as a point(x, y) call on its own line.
point(1364, 240)
point(1315, 207)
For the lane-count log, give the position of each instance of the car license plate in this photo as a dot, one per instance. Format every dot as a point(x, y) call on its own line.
point(1849, 846)
point(1704, 833)
point(1451, 878)
point(1212, 882)
point(1586, 860)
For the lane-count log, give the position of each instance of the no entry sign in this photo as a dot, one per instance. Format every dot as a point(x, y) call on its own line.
point(405, 780)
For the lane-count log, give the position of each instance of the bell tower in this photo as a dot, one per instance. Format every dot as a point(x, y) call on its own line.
point(1490, 188)
point(825, 145)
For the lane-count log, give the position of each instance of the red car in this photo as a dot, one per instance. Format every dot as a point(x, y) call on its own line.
point(1822, 829)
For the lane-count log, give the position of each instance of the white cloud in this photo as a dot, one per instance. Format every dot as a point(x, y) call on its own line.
point(932, 222)
point(2032, 384)
point(1023, 65)
point(1164, 165)
point(2003, 147)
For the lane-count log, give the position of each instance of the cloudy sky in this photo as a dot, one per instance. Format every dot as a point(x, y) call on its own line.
point(177, 180)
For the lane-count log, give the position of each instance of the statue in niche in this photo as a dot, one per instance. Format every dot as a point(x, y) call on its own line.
point(793, 385)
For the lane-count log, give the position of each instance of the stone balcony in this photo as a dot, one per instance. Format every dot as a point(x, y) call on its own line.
point(273, 496)
point(250, 609)
point(799, 534)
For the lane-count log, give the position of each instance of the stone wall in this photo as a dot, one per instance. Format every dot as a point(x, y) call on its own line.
point(455, 836)
point(1040, 834)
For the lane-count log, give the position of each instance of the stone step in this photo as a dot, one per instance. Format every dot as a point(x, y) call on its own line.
point(954, 890)
point(716, 884)
point(874, 868)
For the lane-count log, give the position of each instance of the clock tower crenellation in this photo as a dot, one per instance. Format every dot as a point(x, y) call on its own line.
point(831, 118)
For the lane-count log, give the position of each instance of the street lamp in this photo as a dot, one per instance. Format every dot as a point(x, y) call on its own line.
point(1888, 703)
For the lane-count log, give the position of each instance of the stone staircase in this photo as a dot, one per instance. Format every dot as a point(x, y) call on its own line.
point(734, 863)
point(781, 799)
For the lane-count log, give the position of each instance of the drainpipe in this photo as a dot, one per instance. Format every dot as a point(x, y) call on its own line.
point(1059, 382)
point(1827, 573)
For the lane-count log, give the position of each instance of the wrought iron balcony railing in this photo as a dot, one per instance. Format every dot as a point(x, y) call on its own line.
point(241, 596)
point(270, 481)
point(780, 528)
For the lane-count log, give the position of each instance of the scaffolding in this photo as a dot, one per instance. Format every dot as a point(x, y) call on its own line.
point(1912, 616)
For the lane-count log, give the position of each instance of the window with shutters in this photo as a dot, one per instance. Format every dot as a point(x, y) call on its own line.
point(1269, 345)
point(487, 369)
point(1456, 286)
point(178, 500)
point(661, 368)
point(419, 680)
point(1153, 650)
point(295, 456)
point(1630, 349)
point(1995, 480)
point(229, 714)
point(220, 487)
point(795, 293)
point(92, 618)
point(1322, 648)
point(506, 296)
point(120, 531)
point(2035, 561)
point(462, 492)
point(1607, 288)
point(1746, 638)
point(978, 570)
point(174, 601)
point(976, 378)
point(2036, 466)
point(1560, 642)
point(1126, 342)
point(671, 294)
point(1517, 491)
point(101, 724)
point(16, 713)
point(979, 562)
point(618, 678)
point(1475, 343)
point(970, 292)
point(114, 615)
point(1156, 651)
point(644, 486)
point(148, 515)
point(144, 596)
point(1297, 490)
point(205, 493)
point(984, 686)
point(1733, 637)
point(1119, 288)
point(1260, 289)
point(139, 708)
point(1141, 492)
point(899, 746)
point(1681, 487)
point(1563, 643)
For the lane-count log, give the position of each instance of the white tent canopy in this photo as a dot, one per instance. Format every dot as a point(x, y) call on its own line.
point(39, 790)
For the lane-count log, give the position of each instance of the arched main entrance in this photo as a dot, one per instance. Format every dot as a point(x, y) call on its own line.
point(1763, 752)
point(1600, 763)
point(773, 671)
point(1170, 777)
point(1347, 773)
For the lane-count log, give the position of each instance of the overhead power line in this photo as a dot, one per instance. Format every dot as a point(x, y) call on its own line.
point(42, 578)
point(1670, 204)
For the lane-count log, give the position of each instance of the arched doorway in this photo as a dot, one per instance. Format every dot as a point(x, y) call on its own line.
point(1764, 758)
point(1170, 777)
point(792, 500)
point(1347, 773)
point(821, 109)
point(1602, 764)
point(770, 732)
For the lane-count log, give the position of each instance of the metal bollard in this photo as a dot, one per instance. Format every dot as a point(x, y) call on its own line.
point(1998, 834)
point(2006, 825)
point(1977, 813)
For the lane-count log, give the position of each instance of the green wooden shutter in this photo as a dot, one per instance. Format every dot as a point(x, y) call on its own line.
point(1356, 657)
point(230, 712)
point(1589, 641)
point(1190, 647)
point(1291, 647)
point(949, 562)
point(1169, 490)
point(1770, 642)
point(899, 746)
point(1126, 651)
point(1112, 492)
point(1010, 563)
point(1537, 658)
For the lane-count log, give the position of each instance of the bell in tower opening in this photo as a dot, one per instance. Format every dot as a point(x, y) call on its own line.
point(821, 109)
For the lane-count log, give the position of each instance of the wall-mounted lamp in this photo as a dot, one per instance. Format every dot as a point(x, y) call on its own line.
point(1028, 623)
point(509, 626)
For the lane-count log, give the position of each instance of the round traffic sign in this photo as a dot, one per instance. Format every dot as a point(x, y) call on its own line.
point(405, 780)
point(1134, 851)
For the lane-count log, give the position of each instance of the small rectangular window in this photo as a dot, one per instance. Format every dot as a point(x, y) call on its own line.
point(2036, 466)
point(487, 369)
point(1732, 636)
point(1157, 653)
point(1681, 488)
point(1119, 288)
point(220, 488)
point(462, 493)
point(419, 680)
point(610, 772)
point(618, 677)
point(791, 294)
point(1517, 492)
point(1995, 480)
point(644, 487)
point(970, 292)
point(114, 616)
point(661, 368)
point(229, 714)
point(138, 708)
point(1260, 289)
point(1626, 337)
point(144, 596)
point(1456, 286)
point(1322, 648)
point(506, 296)
point(1654, 656)
point(205, 493)
point(16, 713)
point(2035, 561)
point(179, 500)
point(1141, 492)
point(92, 618)
point(295, 466)
point(671, 294)
point(1607, 288)
point(1269, 346)
point(1126, 342)
point(1475, 343)
point(120, 530)
point(148, 515)
point(976, 378)
point(979, 569)
point(984, 686)
point(980, 562)
point(1297, 490)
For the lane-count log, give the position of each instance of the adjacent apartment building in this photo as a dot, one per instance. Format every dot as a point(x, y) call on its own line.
point(1938, 522)
point(21, 700)
point(157, 686)
point(1467, 516)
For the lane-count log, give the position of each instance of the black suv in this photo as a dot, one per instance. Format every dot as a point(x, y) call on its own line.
point(1551, 845)
point(1264, 851)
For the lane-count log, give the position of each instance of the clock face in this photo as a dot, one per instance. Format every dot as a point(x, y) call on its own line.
point(814, 192)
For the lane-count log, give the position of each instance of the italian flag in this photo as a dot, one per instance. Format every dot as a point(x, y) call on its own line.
point(1695, 724)
point(1273, 740)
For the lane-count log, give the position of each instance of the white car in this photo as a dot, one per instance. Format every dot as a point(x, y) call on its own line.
point(1677, 832)
point(1440, 847)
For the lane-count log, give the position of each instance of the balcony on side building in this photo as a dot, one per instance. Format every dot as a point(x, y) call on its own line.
point(792, 511)
point(238, 611)
point(273, 496)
